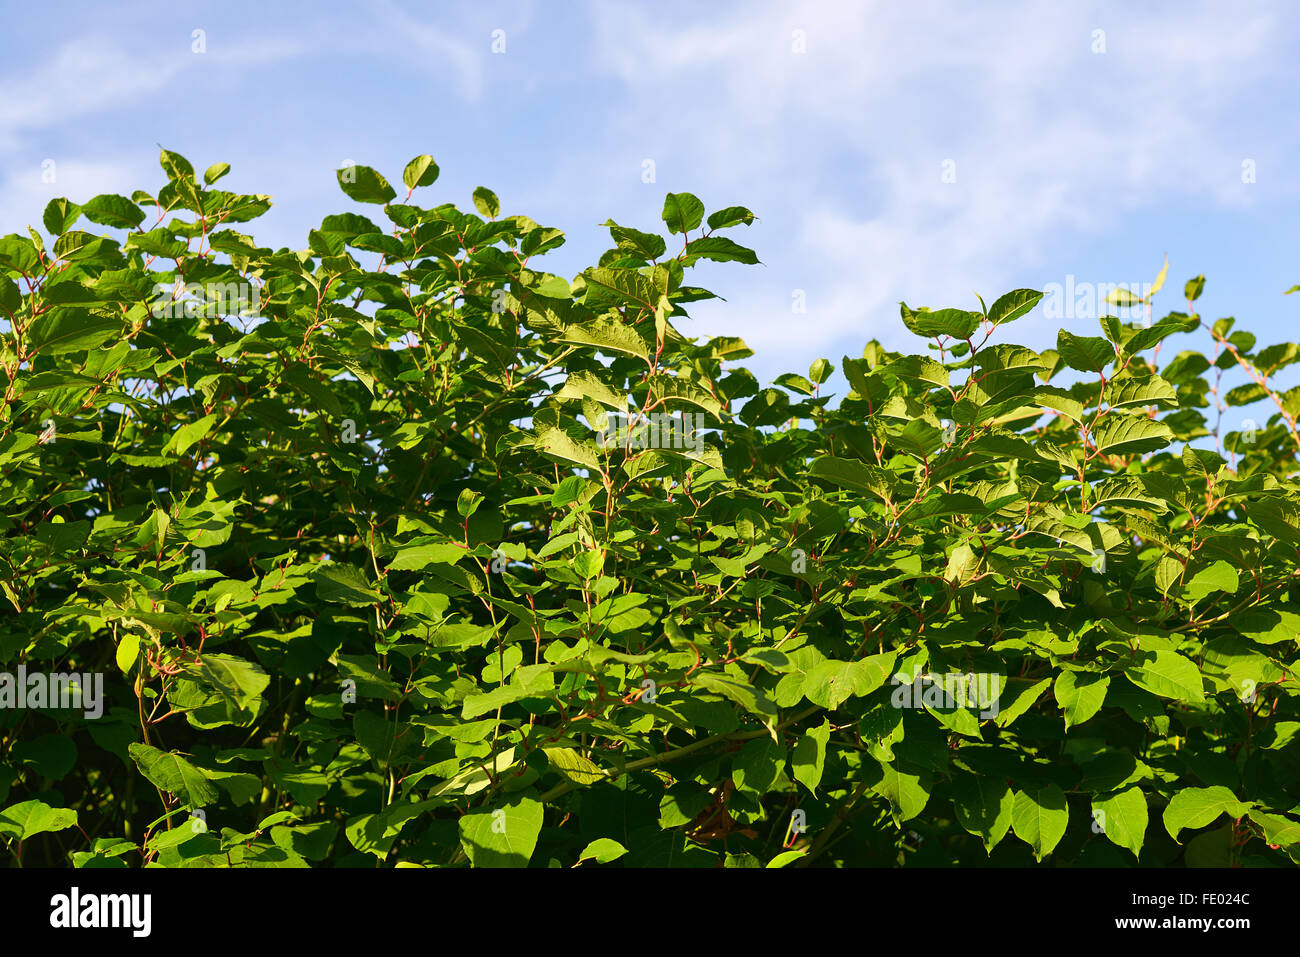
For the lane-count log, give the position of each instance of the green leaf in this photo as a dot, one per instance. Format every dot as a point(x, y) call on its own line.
point(954, 323)
point(59, 216)
point(1197, 807)
point(468, 501)
point(1124, 492)
point(1013, 305)
point(609, 335)
point(584, 384)
point(474, 778)
point(602, 851)
point(421, 171)
point(1158, 331)
point(808, 758)
point(1024, 698)
point(644, 245)
point(1084, 353)
point(175, 166)
point(172, 773)
point(831, 683)
point(921, 368)
point(11, 299)
point(26, 820)
point(562, 446)
point(620, 286)
point(682, 212)
point(665, 387)
point(241, 787)
point(731, 216)
point(376, 735)
point(573, 766)
point(787, 857)
point(486, 202)
point(1122, 817)
point(1277, 829)
point(422, 556)
point(1150, 390)
point(365, 185)
point(1168, 674)
point(984, 807)
point(757, 765)
point(1220, 576)
point(344, 584)
point(48, 755)
point(128, 652)
point(1122, 434)
point(962, 565)
point(65, 329)
point(1268, 626)
point(852, 474)
point(720, 249)
point(1039, 818)
point(530, 681)
point(377, 833)
point(1123, 297)
point(109, 209)
point(215, 172)
point(190, 434)
point(1245, 394)
point(907, 791)
point(77, 245)
point(504, 836)
point(1080, 695)
point(741, 692)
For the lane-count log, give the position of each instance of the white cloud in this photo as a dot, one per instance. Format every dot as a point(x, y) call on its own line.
point(24, 194)
point(442, 48)
point(95, 74)
point(88, 75)
point(1053, 144)
point(838, 149)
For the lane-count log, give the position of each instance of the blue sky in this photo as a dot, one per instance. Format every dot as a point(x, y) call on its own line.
point(1067, 160)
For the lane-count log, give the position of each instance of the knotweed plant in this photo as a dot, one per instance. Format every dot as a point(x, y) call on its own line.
point(374, 552)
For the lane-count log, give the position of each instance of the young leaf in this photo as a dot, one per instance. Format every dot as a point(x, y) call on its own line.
point(1197, 807)
point(421, 171)
point(1039, 818)
point(503, 836)
point(1013, 305)
point(174, 774)
point(486, 202)
point(682, 212)
point(365, 185)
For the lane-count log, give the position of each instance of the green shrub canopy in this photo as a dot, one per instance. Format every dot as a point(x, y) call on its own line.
point(400, 550)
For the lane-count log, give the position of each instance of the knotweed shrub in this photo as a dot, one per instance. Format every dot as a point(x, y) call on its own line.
point(375, 552)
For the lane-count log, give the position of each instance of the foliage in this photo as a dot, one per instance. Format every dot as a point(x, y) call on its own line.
point(365, 588)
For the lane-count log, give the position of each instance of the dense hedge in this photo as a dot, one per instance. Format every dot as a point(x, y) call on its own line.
point(382, 572)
